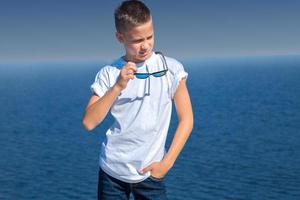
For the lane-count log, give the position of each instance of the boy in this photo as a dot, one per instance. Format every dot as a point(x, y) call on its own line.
point(138, 89)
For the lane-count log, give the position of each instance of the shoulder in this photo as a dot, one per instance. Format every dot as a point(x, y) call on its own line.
point(112, 69)
point(172, 61)
point(174, 65)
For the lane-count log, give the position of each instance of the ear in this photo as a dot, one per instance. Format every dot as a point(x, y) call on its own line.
point(120, 37)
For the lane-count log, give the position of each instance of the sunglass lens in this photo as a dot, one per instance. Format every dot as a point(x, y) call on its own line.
point(162, 73)
point(142, 76)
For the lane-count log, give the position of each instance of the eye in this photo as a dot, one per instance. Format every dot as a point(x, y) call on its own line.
point(150, 37)
point(137, 41)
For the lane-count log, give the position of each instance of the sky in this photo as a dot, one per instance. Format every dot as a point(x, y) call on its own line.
point(43, 30)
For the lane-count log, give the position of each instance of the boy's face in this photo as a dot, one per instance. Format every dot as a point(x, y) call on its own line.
point(138, 42)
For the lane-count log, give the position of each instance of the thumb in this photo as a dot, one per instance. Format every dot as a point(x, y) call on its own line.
point(146, 169)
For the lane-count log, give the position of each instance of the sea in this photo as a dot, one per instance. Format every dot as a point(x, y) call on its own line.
point(245, 144)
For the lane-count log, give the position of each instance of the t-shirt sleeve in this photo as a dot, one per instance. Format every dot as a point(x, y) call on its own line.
point(101, 83)
point(178, 74)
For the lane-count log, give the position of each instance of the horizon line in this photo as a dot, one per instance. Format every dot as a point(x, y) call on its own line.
point(110, 60)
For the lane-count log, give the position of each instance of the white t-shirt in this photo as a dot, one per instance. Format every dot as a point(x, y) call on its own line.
point(142, 115)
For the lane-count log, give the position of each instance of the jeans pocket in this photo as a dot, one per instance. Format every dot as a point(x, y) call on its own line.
point(156, 179)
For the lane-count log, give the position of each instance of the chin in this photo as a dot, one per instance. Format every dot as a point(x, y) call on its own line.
point(145, 57)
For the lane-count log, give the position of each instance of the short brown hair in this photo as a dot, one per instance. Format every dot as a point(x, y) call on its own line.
point(130, 14)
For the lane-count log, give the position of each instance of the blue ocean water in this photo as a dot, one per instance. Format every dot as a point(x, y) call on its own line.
point(245, 143)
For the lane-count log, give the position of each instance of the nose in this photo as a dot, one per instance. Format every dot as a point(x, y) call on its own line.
point(144, 45)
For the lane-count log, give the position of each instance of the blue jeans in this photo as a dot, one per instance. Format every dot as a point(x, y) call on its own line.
point(110, 188)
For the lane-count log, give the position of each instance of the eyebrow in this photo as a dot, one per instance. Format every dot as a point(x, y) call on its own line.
point(141, 39)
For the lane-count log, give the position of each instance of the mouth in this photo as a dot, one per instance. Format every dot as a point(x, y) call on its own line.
point(144, 54)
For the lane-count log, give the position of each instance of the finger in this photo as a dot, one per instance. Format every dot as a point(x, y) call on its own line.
point(131, 66)
point(130, 63)
point(126, 72)
point(130, 76)
point(145, 170)
point(130, 71)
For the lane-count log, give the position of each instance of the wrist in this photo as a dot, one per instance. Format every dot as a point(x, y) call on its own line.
point(167, 163)
point(117, 88)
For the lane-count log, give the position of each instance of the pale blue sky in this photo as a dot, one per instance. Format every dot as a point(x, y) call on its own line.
point(35, 30)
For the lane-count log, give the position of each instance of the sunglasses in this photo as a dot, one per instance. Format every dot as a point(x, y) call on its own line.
point(155, 74)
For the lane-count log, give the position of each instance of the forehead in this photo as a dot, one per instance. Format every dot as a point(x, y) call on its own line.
point(144, 30)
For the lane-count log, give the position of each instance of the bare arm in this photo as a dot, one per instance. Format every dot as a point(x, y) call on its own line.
point(98, 107)
point(184, 128)
point(185, 123)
